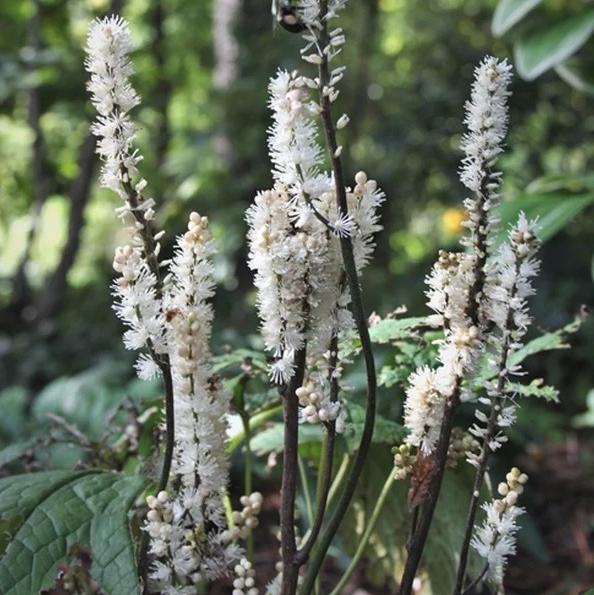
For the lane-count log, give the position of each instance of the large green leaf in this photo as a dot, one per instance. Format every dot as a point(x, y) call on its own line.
point(510, 12)
point(577, 74)
point(545, 49)
point(385, 552)
point(59, 509)
point(553, 210)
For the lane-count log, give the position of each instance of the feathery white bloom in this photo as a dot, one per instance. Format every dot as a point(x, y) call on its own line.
point(137, 291)
point(423, 408)
point(507, 287)
point(295, 255)
point(495, 540)
point(200, 463)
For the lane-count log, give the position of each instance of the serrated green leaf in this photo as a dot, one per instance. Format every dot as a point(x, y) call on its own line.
point(396, 329)
point(547, 342)
point(60, 509)
point(536, 388)
point(510, 12)
point(545, 49)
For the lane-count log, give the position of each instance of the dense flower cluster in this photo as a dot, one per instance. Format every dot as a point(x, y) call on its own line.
point(294, 234)
point(457, 282)
point(509, 284)
point(171, 319)
point(495, 540)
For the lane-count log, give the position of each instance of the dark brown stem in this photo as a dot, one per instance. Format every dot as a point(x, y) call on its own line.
point(325, 465)
point(473, 311)
point(417, 542)
point(476, 581)
point(289, 476)
point(492, 426)
point(358, 311)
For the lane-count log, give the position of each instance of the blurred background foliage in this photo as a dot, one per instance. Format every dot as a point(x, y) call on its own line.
point(202, 70)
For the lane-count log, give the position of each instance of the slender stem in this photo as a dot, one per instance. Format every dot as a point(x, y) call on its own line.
point(289, 477)
point(327, 458)
point(247, 479)
point(364, 540)
point(476, 581)
point(339, 477)
point(418, 539)
point(305, 488)
point(358, 312)
point(491, 429)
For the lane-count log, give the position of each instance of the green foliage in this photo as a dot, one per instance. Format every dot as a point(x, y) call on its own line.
point(386, 549)
point(543, 50)
point(552, 44)
point(510, 12)
point(46, 513)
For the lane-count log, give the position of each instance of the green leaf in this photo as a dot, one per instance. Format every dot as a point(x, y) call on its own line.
point(577, 75)
point(396, 329)
point(554, 211)
point(545, 49)
point(510, 12)
point(385, 553)
point(547, 342)
point(271, 439)
point(385, 430)
point(60, 509)
point(536, 388)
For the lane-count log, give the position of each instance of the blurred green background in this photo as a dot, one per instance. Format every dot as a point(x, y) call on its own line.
point(202, 69)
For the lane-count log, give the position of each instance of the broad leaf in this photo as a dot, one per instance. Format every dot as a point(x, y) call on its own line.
point(385, 553)
point(577, 75)
point(510, 12)
point(396, 329)
point(385, 431)
point(554, 211)
point(545, 49)
point(271, 439)
point(61, 509)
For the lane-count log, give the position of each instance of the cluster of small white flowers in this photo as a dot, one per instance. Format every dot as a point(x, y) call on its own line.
point(486, 118)
point(508, 285)
point(108, 46)
point(138, 307)
point(404, 461)
point(198, 547)
point(457, 282)
point(495, 540)
point(297, 276)
point(294, 233)
point(172, 319)
point(246, 519)
point(317, 406)
point(244, 582)
point(136, 291)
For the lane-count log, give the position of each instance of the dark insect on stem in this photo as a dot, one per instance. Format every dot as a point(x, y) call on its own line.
point(287, 16)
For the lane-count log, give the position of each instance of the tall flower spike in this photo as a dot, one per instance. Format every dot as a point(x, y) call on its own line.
point(294, 229)
point(195, 543)
point(458, 280)
point(138, 291)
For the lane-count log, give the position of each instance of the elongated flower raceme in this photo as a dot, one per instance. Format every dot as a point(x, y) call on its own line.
point(138, 291)
point(456, 285)
point(294, 231)
point(495, 540)
point(194, 544)
point(171, 319)
point(509, 284)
